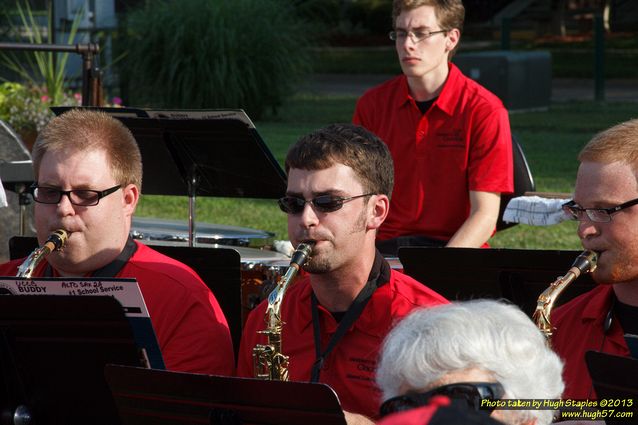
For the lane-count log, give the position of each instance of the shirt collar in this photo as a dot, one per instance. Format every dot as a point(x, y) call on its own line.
point(447, 99)
point(599, 304)
point(451, 92)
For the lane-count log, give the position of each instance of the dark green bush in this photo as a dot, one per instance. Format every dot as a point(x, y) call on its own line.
point(374, 15)
point(198, 54)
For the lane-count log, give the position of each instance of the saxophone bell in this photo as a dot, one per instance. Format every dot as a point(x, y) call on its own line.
point(586, 262)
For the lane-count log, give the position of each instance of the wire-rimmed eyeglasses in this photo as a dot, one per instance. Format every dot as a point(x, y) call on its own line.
point(415, 36)
point(597, 215)
point(80, 197)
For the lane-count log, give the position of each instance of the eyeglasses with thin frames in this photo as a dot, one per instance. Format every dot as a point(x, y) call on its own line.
point(471, 393)
point(415, 36)
point(80, 197)
point(597, 215)
point(323, 203)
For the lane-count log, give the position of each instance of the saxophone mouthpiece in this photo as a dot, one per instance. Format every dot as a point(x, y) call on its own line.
point(57, 239)
point(302, 253)
point(586, 262)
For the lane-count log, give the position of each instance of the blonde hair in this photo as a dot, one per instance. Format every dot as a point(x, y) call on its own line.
point(616, 144)
point(78, 130)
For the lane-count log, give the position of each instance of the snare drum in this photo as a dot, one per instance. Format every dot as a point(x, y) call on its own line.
point(260, 268)
point(148, 230)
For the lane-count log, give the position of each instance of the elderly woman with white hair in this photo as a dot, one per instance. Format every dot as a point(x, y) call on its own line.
point(475, 352)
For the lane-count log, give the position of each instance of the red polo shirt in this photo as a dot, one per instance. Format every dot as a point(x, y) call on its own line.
point(580, 328)
point(417, 416)
point(462, 143)
point(350, 368)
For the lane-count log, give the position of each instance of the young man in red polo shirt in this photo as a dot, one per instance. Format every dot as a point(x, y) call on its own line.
point(449, 137)
point(605, 198)
point(336, 316)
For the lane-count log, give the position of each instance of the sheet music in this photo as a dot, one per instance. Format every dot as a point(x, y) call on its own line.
point(211, 114)
point(126, 291)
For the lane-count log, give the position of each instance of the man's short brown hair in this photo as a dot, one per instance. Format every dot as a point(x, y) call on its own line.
point(350, 145)
point(78, 130)
point(449, 13)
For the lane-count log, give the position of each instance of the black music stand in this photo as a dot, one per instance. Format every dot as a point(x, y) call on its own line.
point(52, 355)
point(21, 246)
point(201, 153)
point(614, 379)
point(145, 397)
point(220, 269)
point(519, 275)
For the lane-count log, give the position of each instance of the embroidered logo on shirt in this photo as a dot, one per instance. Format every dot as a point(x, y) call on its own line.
point(364, 369)
point(450, 138)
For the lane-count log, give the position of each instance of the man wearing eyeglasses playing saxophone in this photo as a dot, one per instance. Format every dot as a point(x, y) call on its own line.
point(449, 137)
point(604, 319)
point(336, 316)
point(88, 178)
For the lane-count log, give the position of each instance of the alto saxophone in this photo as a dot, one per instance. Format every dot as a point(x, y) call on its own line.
point(269, 362)
point(584, 263)
point(55, 242)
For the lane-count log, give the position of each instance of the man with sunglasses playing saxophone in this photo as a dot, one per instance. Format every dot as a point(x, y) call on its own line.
point(335, 317)
point(88, 178)
point(475, 353)
point(605, 203)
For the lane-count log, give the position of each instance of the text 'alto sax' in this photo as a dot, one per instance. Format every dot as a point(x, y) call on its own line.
point(55, 242)
point(269, 362)
point(584, 263)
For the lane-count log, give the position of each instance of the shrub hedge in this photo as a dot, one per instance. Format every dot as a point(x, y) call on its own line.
point(198, 54)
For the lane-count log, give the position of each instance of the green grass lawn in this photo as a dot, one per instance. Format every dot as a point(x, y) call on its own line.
point(551, 140)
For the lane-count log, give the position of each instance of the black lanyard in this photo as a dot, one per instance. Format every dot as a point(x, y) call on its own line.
point(112, 268)
point(379, 275)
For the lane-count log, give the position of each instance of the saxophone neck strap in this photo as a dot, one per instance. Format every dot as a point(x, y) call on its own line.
point(112, 268)
point(379, 275)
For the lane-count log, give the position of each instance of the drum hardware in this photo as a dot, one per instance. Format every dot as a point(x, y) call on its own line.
point(148, 230)
point(257, 280)
point(21, 415)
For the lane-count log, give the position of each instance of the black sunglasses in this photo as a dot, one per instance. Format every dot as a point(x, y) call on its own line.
point(323, 203)
point(471, 393)
point(81, 197)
